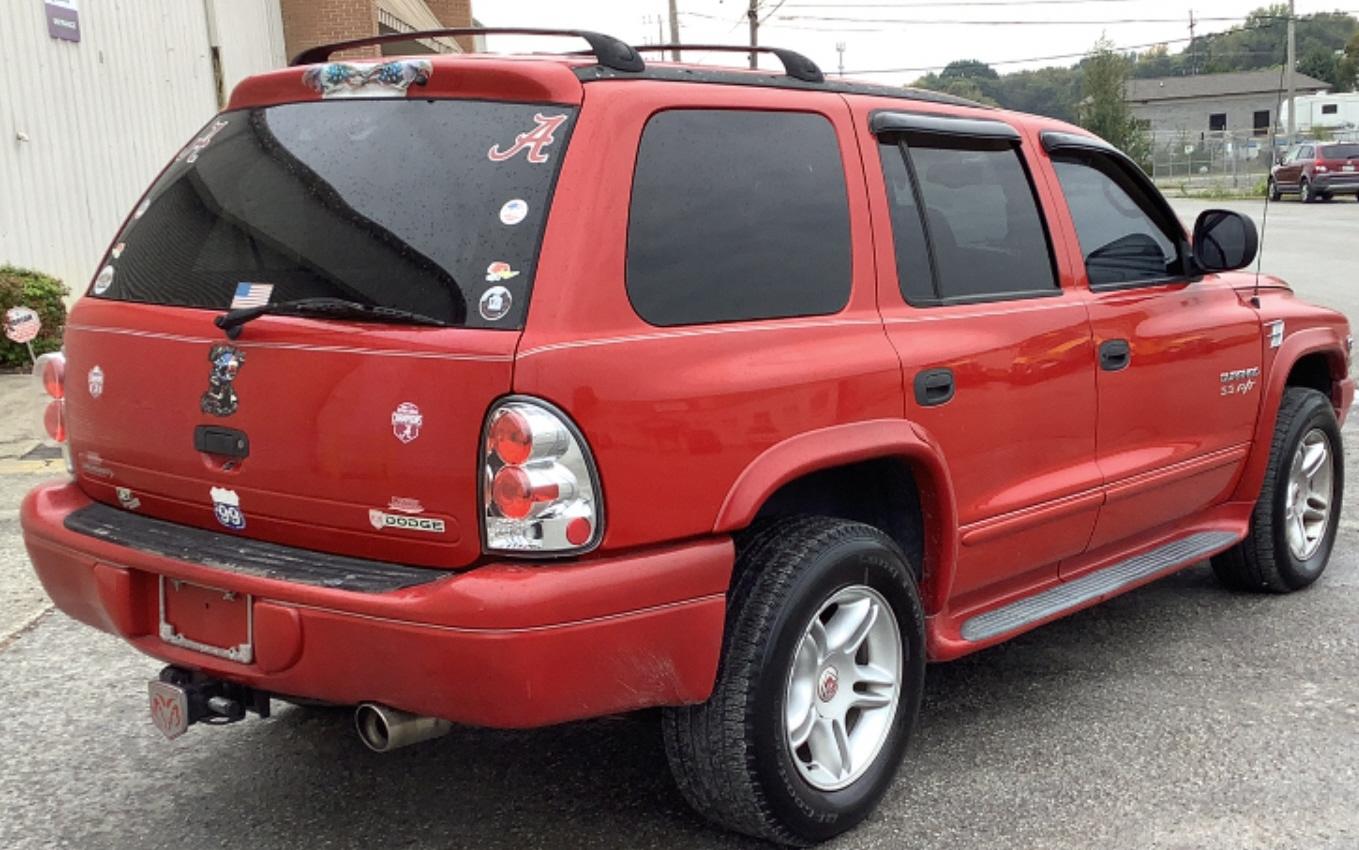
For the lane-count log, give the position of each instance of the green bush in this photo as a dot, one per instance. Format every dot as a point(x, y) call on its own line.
point(27, 288)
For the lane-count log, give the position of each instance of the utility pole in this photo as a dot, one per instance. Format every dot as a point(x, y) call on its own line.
point(1193, 58)
point(1291, 61)
point(840, 48)
point(753, 13)
point(674, 29)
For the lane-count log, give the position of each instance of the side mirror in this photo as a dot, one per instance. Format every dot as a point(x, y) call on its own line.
point(1224, 241)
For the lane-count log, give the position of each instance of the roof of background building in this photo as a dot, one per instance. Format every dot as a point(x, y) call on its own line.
point(1217, 85)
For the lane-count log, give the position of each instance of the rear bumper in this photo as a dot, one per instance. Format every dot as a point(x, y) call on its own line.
point(504, 645)
point(1343, 181)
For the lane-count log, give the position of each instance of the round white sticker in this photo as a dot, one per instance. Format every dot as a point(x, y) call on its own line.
point(513, 211)
point(104, 281)
point(495, 303)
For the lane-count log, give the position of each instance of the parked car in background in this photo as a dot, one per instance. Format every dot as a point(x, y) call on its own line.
point(1316, 171)
point(436, 387)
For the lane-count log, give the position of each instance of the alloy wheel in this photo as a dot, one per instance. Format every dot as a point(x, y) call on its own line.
point(843, 687)
point(1307, 506)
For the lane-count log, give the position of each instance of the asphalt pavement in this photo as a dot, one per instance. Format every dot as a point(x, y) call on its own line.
point(1177, 716)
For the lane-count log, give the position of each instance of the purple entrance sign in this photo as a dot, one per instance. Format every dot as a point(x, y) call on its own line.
point(63, 19)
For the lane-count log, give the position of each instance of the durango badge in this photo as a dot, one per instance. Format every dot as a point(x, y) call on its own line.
point(406, 421)
point(220, 399)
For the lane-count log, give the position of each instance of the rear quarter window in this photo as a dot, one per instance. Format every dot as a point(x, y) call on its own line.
point(737, 215)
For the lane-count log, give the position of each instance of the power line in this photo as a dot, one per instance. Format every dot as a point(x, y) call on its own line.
point(1011, 23)
point(934, 4)
point(1116, 49)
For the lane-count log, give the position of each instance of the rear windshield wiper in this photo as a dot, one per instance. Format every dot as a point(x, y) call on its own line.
point(329, 308)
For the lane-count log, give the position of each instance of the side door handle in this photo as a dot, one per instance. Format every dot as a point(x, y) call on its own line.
point(1114, 354)
point(933, 387)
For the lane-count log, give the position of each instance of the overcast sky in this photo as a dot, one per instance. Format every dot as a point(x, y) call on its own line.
point(893, 34)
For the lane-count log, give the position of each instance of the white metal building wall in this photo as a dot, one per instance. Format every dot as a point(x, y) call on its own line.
point(85, 127)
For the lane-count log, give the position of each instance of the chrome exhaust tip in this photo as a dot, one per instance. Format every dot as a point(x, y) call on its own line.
point(383, 728)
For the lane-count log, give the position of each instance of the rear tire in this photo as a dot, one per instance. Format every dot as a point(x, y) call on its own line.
point(1293, 527)
point(1305, 190)
point(804, 591)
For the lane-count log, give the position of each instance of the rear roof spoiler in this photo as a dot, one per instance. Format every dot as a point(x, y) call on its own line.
point(607, 50)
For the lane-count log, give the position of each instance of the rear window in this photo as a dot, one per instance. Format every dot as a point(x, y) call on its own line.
point(736, 216)
point(1339, 151)
point(430, 206)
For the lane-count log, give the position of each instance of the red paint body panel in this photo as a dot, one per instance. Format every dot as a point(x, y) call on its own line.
point(1042, 468)
point(502, 645)
point(316, 399)
point(707, 399)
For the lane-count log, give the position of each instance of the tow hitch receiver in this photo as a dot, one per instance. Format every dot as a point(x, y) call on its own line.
point(181, 698)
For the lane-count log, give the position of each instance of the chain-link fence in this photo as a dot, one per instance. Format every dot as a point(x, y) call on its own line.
point(1221, 161)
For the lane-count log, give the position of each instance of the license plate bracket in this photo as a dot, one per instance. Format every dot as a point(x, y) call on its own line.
point(207, 619)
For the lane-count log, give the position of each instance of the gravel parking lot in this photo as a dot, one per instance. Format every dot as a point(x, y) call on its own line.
point(1178, 716)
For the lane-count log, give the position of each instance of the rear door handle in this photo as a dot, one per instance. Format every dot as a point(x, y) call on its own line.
point(1114, 354)
point(933, 387)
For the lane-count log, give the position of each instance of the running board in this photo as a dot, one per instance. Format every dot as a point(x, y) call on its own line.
point(1102, 582)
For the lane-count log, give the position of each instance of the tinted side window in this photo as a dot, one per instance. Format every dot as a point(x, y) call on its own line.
point(737, 215)
point(986, 234)
point(1123, 237)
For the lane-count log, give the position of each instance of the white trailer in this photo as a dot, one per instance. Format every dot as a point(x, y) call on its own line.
point(1324, 111)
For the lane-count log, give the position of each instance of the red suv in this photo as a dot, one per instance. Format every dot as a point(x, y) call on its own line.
point(510, 391)
point(1315, 170)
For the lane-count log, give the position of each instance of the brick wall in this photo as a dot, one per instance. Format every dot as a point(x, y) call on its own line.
point(307, 23)
point(454, 13)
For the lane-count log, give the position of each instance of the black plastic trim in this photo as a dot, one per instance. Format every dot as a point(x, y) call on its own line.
point(941, 125)
point(934, 387)
point(607, 50)
point(235, 554)
point(1115, 355)
point(220, 441)
point(1055, 140)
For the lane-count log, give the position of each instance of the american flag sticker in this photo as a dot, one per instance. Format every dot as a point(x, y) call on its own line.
point(251, 295)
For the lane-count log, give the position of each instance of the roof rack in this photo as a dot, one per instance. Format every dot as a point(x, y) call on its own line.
point(795, 65)
point(608, 51)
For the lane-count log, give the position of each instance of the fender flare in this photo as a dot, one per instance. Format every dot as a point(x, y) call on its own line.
point(1297, 346)
point(838, 445)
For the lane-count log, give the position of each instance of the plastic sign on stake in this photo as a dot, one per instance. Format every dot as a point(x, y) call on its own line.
point(22, 325)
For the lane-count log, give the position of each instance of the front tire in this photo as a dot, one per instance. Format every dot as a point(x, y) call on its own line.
point(1274, 193)
point(1295, 520)
point(818, 687)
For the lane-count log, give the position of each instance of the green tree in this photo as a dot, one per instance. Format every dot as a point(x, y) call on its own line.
point(1347, 69)
point(1103, 109)
point(1322, 64)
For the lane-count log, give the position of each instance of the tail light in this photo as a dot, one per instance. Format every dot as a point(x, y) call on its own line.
point(50, 373)
point(540, 489)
